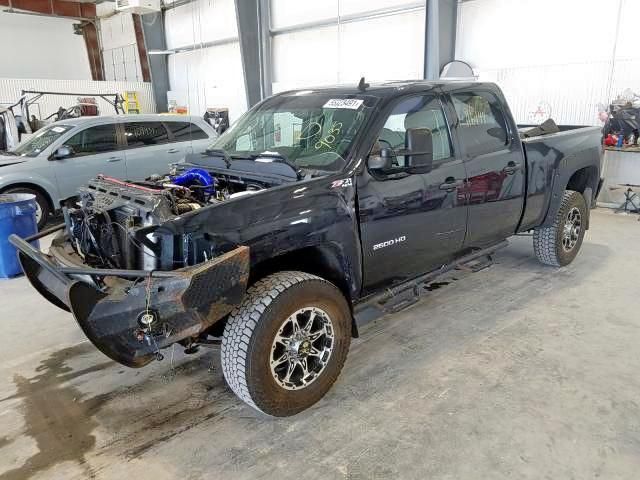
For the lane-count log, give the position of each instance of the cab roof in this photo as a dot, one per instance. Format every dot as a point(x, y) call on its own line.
point(390, 88)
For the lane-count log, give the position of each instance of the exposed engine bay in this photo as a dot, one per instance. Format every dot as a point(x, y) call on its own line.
point(108, 227)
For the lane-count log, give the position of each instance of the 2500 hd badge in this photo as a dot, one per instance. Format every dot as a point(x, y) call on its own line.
point(388, 243)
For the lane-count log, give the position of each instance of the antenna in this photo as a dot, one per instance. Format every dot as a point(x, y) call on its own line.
point(362, 86)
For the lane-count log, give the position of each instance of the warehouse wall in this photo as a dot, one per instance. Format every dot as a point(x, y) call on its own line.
point(11, 88)
point(378, 39)
point(562, 59)
point(209, 72)
point(119, 46)
point(34, 47)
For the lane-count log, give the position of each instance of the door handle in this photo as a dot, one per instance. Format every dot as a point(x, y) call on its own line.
point(173, 150)
point(450, 184)
point(114, 159)
point(511, 168)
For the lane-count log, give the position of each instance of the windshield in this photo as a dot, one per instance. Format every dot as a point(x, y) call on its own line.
point(311, 131)
point(41, 140)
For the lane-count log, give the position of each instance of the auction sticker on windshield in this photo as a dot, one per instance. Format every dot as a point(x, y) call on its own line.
point(350, 103)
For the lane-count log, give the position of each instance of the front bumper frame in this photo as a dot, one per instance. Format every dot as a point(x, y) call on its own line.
point(184, 302)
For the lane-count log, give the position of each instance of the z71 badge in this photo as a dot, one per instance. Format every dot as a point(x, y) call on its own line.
point(347, 182)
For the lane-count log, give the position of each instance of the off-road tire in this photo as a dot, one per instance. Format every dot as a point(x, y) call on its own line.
point(547, 241)
point(41, 200)
point(250, 331)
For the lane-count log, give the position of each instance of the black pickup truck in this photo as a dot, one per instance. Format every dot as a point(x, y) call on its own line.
point(317, 211)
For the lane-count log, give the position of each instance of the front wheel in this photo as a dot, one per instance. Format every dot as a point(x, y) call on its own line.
point(285, 346)
point(559, 244)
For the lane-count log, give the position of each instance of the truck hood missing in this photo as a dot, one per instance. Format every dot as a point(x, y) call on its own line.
point(143, 265)
point(147, 264)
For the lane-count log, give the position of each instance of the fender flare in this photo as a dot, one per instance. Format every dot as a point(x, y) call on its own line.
point(567, 167)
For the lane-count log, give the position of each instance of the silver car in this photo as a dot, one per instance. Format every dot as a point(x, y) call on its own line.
point(63, 156)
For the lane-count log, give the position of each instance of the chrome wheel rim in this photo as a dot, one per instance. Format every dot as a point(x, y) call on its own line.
point(572, 229)
point(38, 212)
point(302, 348)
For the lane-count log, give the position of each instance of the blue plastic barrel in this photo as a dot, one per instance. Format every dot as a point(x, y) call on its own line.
point(17, 215)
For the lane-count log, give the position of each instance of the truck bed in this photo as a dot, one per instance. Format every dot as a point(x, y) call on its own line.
point(549, 158)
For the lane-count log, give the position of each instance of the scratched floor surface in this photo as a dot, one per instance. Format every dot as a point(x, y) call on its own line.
point(518, 371)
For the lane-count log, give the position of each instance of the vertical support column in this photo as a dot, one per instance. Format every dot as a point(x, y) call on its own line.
point(255, 48)
point(90, 35)
point(154, 39)
point(448, 29)
point(142, 48)
point(265, 39)
point(440, 36)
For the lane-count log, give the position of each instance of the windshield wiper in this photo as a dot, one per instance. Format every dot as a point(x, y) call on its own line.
point(278, 157)
point(7, 153)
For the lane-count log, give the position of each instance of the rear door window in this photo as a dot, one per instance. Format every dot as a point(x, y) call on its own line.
point(186, 131)
point(481, 123)
point(94, 140)
point(144, 134)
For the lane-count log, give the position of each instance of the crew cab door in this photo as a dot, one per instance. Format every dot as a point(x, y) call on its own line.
point(494, 162)
point(95, 150)
point(411, 222)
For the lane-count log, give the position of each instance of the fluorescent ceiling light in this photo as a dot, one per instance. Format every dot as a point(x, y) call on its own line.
point(161, 52)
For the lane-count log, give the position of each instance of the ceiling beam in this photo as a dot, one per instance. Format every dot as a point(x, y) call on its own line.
point(57, 8)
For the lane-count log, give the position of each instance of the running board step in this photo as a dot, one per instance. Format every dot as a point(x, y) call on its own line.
point(404, 295)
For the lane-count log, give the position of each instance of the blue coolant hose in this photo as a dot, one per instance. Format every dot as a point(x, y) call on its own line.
point(196, 175)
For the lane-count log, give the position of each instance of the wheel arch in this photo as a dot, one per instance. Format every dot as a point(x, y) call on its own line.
point(32, 186)
point(322, 261)
point(583, 180)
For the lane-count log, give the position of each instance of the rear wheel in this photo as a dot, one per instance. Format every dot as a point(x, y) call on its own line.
point(42, 204)
point(285, 345)
point(559, 244)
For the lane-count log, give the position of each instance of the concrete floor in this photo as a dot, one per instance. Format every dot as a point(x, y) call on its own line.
point(518, 371)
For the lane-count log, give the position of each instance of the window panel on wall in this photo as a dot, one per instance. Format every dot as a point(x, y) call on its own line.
point(305, 58)
point(117, 31)
point(122, 64)
point(119, 71)
point(285, 13)
point(545, 32)
point(109, 73)
point(365, 52)
point(350, 7)
point(131, 72)
point(627, 46)
point(209, 77)
point(130, 53)
point(200, 21)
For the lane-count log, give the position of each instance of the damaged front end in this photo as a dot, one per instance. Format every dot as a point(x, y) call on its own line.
point(134, 293)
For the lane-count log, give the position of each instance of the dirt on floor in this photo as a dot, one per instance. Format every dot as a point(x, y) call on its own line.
point(517, 371)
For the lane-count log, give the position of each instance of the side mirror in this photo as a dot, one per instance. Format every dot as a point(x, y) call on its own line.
point(382, 160)
point(419, 143)
point(62, 152)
